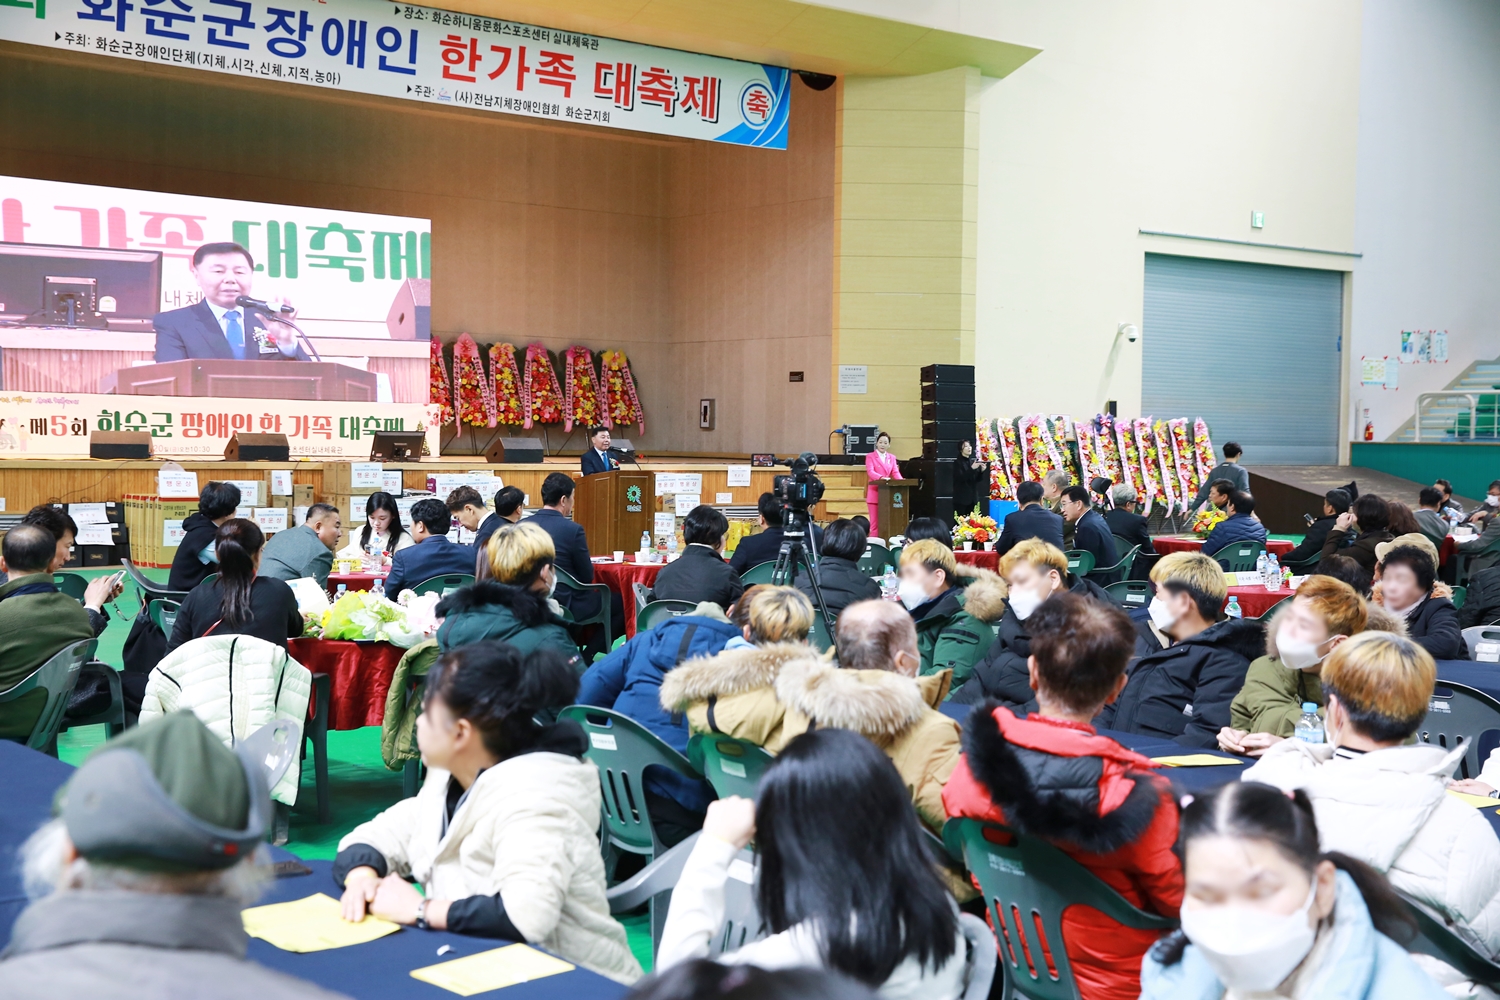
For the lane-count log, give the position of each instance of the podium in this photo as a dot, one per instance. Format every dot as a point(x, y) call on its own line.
point(893, 505)
point(317, 380)
point(613, 509)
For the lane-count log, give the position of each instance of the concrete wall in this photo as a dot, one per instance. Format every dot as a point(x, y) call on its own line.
point(1428, 194)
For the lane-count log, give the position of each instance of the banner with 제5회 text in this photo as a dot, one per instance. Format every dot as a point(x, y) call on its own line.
point(423, 54)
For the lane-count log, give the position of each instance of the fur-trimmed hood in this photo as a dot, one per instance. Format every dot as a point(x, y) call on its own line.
point(877, 704)
point(1059, 781)
point(1379, 620)
point(529, 607)
point(984, 593)
point(733, 671)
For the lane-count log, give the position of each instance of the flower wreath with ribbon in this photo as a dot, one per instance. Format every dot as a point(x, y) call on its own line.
point(439, 391)
point(476, 398)
point(505, 376)
point(581, 399)
point(541, 396)
point(621, 404)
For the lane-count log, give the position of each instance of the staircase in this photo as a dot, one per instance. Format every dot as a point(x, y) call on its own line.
point(1447, 418)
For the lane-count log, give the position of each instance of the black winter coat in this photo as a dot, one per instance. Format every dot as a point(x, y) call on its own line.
point(842, 583)
point(1183, 692)
point(1003, 673)
point(1482, 604)
point(1311, 546)
point(970, 486)
point(1433, 625)
point(698, 574)
point(198, 533)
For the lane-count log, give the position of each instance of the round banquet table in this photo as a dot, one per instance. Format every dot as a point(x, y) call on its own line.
point(353, 581)
point(359, 674)
point(1165, 544)
point(1255, 601)
point(978, 557)
point(621, 577)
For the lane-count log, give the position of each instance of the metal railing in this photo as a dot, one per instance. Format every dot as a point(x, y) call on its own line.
point(1424, 396)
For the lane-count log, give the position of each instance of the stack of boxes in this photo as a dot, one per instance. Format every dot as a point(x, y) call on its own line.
point(95, 520)
point(154, 528)
point(948, 417)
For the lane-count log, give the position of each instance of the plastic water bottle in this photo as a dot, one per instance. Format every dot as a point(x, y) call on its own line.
point(378, 587)
point(888, 584)
point(1309, 728)
point(672, 546)
point(1260, 566)
point(343, 589)
point(1232, 609)
point(1272, 576)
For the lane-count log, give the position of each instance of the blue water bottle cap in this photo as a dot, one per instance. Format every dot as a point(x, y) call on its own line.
point(1308, 706)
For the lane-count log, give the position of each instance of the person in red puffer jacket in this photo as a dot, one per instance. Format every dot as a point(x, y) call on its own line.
point(1050, 775)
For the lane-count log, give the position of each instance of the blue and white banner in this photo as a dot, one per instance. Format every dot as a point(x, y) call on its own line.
point(422, 54)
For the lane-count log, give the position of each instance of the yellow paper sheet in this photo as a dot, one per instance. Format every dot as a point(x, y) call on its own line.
point(491, 970)
point(314, 923)
point(1196, 760)
point(1477, 801)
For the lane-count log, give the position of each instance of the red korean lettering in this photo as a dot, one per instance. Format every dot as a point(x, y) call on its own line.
point(701, 94)
point(659, 87)
point(521, 68)
point(456, 54)
point(758, 104)
point(270, 422)
point(556, 70)
point(192, 425)
point(243, 422)
point(299, 426)
point(323, 426)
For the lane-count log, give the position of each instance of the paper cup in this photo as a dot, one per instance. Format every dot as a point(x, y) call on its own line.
point(968, 546)
point(989, 546)
point(619, 555)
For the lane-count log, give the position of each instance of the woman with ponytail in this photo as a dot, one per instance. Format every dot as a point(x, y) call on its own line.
point(1268, 914)
point(237, 600)
point(504, 836)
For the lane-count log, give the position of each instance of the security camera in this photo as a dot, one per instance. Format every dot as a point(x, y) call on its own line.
point(1130, 331)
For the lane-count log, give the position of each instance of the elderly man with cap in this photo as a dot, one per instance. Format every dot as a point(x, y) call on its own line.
point(138, 884)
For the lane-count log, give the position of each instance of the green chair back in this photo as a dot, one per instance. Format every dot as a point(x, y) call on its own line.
point(1080, 562)
point(600, 617)
point(1027, 883)
point(1457, 713)
point(819, 636)
point(1434, 938)
point(1266, 614)
point(657, 612)
point(1130, 593)
point(75, 585)
point(57, 678)
point(1122, 564)
point(1122, 546)
point(164, 614)
point(875, 560)
point(759, 573)
point(622, 749)
point(443, 585)
point(1239, 557)
point(150, 589)
point(1459, 595)
point(732, 766)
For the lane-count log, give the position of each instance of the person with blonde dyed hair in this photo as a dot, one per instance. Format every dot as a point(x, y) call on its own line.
point(1386, 803)
point(1182, 690)
point(513, 604)
point(954, 607)
point(1300, 636)
point(1034, 571)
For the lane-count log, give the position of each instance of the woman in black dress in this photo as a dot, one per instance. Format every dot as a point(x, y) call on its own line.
point(971, 480)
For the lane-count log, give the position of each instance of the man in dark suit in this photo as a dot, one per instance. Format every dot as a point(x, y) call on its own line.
point(1125, 523)
point(1031, 521)
point(765, 544)
point(433, 555)
point(1090, 532)
point(571, 543)
point(217, 327)
point(598, 459)
point(507, 511)
point(700, 573)
point(1335, 502)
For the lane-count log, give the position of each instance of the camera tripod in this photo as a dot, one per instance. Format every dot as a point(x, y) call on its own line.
point(796, 556)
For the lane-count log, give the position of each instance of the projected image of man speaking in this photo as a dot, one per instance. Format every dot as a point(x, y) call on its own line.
point(218, 326)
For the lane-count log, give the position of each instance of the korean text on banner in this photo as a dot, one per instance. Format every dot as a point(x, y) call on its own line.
point(435, 56)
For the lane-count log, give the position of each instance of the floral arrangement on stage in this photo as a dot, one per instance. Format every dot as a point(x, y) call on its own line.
point(1188, 480)
point(476, 399)
point(1208, 521)
point(581, 396)
point(1039, 455)
point(541, 396)
point(1203, 450)
point(364, 615)
point(1130, 464)
point(440, 394)
point(1145, 443)
point(1010, 447)
point(1165, 465)
point(1057, 430)
point(1109, 447)
point(621, 404)
point(506, 378)
point(987, 449)
point(1090, 464)
point(976, 528)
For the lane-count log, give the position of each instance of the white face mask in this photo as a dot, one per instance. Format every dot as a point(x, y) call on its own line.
point(1249, 949)
point(1492, 501)
point(1024, 603)
point(1297, 654)
point(1161, 615)
point(911, 594)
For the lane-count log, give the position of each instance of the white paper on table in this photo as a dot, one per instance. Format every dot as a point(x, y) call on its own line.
point(87, 513)
point(366, 475)
point(271, 518)
point(93, 534)
point(666, 524)
point(739, 475)
point(686, 502)
point(281, 482)
point(176, 484)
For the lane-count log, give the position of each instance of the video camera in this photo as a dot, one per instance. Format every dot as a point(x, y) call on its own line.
point(802, 488)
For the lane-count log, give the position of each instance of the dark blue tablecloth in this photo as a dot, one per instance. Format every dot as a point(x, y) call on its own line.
point(376, 969)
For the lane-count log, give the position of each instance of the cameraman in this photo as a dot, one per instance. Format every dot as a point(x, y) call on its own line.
point(764, 545)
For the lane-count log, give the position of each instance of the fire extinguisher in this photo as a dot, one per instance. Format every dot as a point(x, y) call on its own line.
point(1369, 427)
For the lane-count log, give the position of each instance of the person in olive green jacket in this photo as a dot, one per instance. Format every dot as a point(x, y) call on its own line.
point(37, 621)
point(1299, 637)
point(954, 607)
point(514, 604)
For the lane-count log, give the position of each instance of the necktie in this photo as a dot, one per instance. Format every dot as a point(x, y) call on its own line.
point(235, 333)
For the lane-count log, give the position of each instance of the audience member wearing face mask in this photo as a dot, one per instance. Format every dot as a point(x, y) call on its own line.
point(1051, 775)
point(514, 604)
point(1408, 590)
point(1033, 572)
point(1182, 691)
point(1299, 638)
point(953, 606)
point(1483, 549)
point(1268, 914)
point(1386, 803)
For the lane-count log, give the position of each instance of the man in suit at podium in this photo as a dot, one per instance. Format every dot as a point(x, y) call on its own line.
point(217, 327)
point(598, 459)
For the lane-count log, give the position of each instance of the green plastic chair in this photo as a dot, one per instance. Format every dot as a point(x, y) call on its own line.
point(443, 585)
point(759, 573)
point(1027, 883)
point(56, 678)
point(1266, 614)
point(1080, 562)
point(75, 585)
point(819, 636)
point(600, 617)
point(1122, 564)
point(1130, 593)
point(1240, 557)
point(164, 615)
point(1460, 594)
point(1457, 713)
point(732, 766)
point(113, 717)
point(875, 560)
point(657, 612)
point(1436, 938)
point(149, 589)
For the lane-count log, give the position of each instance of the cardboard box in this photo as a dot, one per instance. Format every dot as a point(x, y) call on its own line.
point(252, 490)
point(338, 479)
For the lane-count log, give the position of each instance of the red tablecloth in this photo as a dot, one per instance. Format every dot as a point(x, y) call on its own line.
point(1257, 600)
point(984, 560)
point(360, 675)
point(353, 581)
point(1164, 544)
point(621, 578)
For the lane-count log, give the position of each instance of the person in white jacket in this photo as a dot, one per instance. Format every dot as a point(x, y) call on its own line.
point(1385, 803)
point(504, 835)
point(844, 880)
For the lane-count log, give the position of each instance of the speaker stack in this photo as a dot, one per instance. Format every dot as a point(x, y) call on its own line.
point(947, 421)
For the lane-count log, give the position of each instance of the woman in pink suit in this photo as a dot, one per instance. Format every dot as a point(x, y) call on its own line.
point(879, 464)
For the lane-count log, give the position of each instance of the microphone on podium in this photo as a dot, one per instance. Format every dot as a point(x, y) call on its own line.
point(260, 305)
